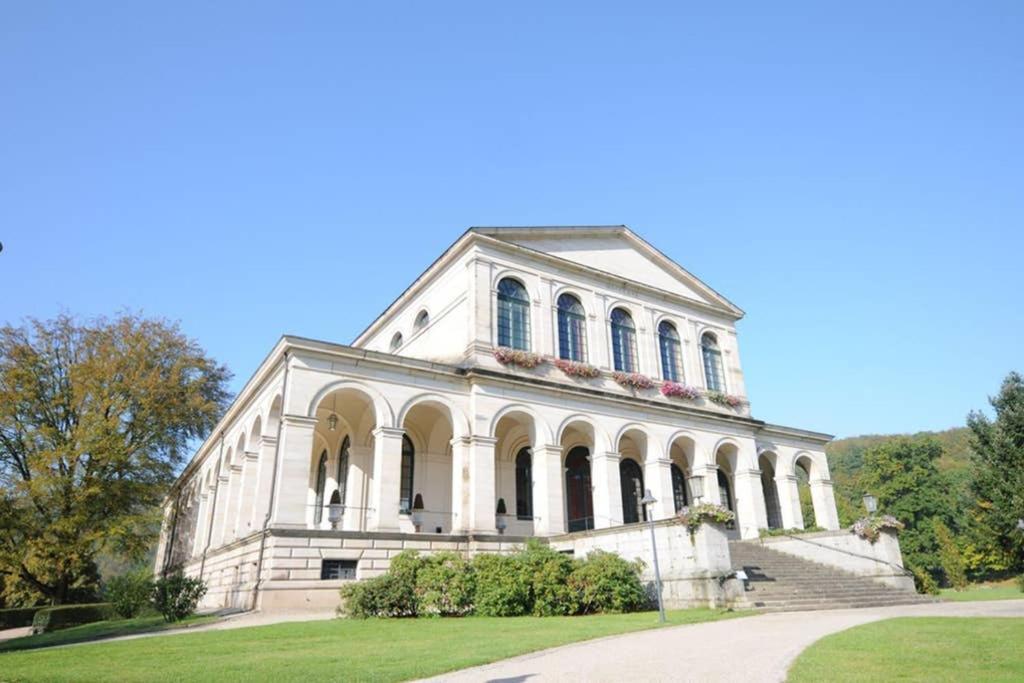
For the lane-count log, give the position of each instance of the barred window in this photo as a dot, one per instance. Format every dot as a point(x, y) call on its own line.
point(408, 461)
point(572, 331)
point(337, 569)
point(671, 355)
point(623, 341)
point(513, 315)
point(321, 483)
point(713, 373)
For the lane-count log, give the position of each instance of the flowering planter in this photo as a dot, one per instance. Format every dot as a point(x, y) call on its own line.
point(523, 359)
point(633, 380)
point(870, 528)
point(682, 391)
point(723, 399)
point(577, 369)
point(704, 513)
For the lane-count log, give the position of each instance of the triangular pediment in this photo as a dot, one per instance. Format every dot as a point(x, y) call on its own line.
point(619, 251)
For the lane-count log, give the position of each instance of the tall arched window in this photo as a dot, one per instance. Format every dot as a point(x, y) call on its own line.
point(578, 494)
point(513, 315)
point(321, 482)
point(713, 373)
point(405, 492)
point(343, 468)
point(671, 357)
point(631, 479)
point(572, 330)
point(679, 496)
point(623, 341)
point(724, 490)
point(524, 484)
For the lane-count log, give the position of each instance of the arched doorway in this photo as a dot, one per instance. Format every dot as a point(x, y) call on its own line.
point(631, 478)
point(579, 499)
point(771, 495)
point(803, 468)
point(679, 497)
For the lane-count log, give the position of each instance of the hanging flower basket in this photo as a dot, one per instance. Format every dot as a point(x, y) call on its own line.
point(576, 369)
point(524, 359)
point(633, 380)
point(676, 390)
point(703, 513)
point(870, 528)
point(723, 399)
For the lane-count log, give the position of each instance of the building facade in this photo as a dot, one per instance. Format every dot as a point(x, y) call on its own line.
point(531, 382)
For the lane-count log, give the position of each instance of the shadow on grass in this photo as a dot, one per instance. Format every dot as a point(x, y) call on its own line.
point(101, 630)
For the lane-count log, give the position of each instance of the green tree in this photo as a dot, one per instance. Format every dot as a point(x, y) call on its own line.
point(95, 419)
point(998, 480)
point(902, 474)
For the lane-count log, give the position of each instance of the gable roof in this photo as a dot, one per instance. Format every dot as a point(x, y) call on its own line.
point(615, 250)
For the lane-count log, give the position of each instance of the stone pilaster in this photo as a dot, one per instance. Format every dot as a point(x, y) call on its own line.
point(482, 501)
point(658, 478)
point(548, 491)
point(264, 471)
point(290, 505)
point(607, 489)
point(750, 509)
point(387, 474)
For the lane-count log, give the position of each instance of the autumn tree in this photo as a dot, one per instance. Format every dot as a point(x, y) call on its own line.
point(95, 419)
point(998, 476)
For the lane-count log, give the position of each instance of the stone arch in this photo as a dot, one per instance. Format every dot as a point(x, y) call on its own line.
point(766, 462)
point(457, 417)
point(599, 436)
point(384, 413)
point(542, 429)
point(256, 432)
point(806, 471)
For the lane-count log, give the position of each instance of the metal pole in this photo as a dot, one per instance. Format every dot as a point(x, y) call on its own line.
point(657, 572)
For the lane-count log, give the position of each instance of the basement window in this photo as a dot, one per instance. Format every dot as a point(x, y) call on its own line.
point(338, 569)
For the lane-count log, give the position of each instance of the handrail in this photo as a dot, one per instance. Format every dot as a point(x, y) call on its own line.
point(903, 570)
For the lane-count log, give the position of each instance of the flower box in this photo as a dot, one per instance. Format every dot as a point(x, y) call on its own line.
point(633, 380)
point(576, 369)
point(870, 528)
point(676, 390)
point(524, 359)
point(723, 399)
point(704, 513)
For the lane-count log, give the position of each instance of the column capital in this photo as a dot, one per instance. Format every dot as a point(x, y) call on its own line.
point(821, 482)
point(659, 462)
point(268, 440)
point(479, 440)
point(290, 420)
point(388, 432)
point(607, 455)
point(236, 467)
point(785, 477)
point(547, 448)
point(252, 456)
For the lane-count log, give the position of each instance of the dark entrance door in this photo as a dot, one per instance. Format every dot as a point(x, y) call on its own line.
point(578, 490)
point(631, 480)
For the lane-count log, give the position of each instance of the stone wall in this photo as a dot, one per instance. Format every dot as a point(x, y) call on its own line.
point(693, 568)
point(881, 560)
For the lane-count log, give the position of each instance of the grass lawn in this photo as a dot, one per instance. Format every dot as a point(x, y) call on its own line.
point(98, 631)
point(917, 649)
point(338, 649)
point(1004, 590)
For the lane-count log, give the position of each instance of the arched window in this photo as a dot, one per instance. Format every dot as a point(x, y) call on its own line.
point(524, 484)
point(724, 491)
point(513, 315)
point(679, 496)
point(405, 492)
point(343, 468)
point(713, 374)
point(623, 341)
point(572, 331)
point(321, 482)
point(396, 341)
point(578, 494)
point(671, 357)
point(631, 479)
point(422, 318)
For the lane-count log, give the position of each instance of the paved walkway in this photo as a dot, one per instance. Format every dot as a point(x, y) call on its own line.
point(751, 649)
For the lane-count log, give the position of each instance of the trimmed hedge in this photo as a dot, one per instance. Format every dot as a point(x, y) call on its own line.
point(65, 616)
point(17, 617)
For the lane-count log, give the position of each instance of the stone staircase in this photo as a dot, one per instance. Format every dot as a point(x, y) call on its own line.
point(779, 582)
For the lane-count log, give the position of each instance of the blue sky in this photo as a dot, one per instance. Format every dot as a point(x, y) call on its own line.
point(851, 175)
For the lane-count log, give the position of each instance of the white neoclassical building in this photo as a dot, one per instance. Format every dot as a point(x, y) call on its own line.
point(432, 423)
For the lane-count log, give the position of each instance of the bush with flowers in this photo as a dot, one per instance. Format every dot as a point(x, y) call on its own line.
point(702, 513)
point(723, 399)
point(574, 368)
point(870, 528)
point(524, 359)
point(676, 390)
point(633, 380)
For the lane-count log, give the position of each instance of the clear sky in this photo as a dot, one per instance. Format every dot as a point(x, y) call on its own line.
point(851, 174)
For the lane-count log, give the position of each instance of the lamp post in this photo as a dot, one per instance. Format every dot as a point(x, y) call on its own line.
point(335, 510)
point(870, 503)
point(697, 486)
point(647, 501)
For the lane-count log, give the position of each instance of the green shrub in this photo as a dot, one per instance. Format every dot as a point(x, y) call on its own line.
point(549, 572)
point(65, 616)
point(129, 593)
point(175, 595)
point(950, 557)
point(605, 582)
point(17, 617)
point(389, 595)
point(1020, 582)
point(924, 582)
point(444, 586)
point(502, 585)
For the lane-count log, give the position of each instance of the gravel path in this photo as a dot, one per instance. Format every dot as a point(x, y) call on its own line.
point(759, 648)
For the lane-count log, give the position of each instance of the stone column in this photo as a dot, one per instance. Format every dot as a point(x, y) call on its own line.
point(247, 491)
point(357, 488)
point(264, 477)
point(789, 501)
point(658, 478)
point(710, 494)
point(220, 503)
point(296, 452)
point(234, 490)
point(548, 491)
point(750, 507)
point(387, 475)
point(825, 513)
point(203, 520)
point(460, 484)
point(482, 501)
point(607, 487)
